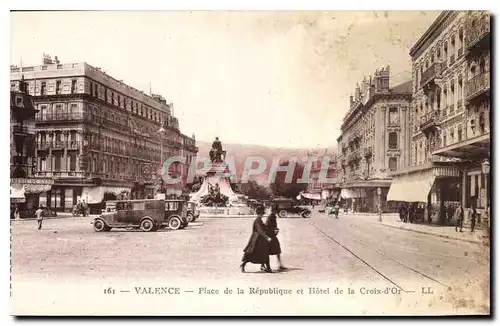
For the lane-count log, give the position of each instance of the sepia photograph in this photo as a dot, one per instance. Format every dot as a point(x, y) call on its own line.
point(250, 163)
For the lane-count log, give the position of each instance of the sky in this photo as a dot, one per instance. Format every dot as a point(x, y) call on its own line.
point(272, 78)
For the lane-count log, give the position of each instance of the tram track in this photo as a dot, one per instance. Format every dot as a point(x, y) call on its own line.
point(376, 270)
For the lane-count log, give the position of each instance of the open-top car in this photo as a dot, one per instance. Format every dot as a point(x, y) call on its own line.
point(144, 214)
point(287, 207)
point(192, 212)
point(175, 214)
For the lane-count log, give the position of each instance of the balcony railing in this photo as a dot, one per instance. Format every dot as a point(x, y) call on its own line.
point(459, 105)
point(432, 73)
point(59, 144)
point(17, 129)
point(452, 59)
point(451, 109)
point(429, 121)
point(477, 32)
point(460, 52)
point(60, 117)
point(477, 85)
point(62, 174)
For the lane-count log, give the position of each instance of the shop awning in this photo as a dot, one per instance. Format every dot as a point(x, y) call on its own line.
point(37, 188)
point(352, 193)
point(309, 195)
point(93, 195)
point(17, 193)
point(116, 190)
point(411, 188)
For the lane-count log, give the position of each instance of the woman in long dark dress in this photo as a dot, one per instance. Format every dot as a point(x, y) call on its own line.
point(272, 232)
point(257, 249)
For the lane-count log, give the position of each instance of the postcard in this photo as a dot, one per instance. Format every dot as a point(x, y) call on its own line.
point(250, 163)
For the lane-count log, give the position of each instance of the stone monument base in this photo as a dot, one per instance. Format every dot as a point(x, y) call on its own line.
point(243, 211)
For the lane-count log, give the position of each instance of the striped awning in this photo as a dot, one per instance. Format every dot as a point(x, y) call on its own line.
point(412, 188)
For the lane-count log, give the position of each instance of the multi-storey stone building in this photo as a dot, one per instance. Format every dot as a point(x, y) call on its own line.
point(449, 115)
point(375, 132)
point(25, 187)
point(317, 185)
point(96, 136)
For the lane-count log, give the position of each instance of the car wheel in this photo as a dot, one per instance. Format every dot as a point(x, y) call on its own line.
point(306, 214)
point(282, 213)
point(190, 217)
point(174, 223)
point(147, 225)
point(99, 225)
point(107, 228)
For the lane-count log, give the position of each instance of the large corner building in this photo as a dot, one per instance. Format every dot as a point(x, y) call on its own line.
point(374, 133)
point(96, 136)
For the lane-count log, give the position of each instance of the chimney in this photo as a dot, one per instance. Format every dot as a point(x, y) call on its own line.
point(384, 79)
point(351, 100)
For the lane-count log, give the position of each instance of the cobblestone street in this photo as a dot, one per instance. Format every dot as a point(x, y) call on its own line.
point(321, 252)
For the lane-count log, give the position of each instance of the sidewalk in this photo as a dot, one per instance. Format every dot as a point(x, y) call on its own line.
point(59, 216)
point(393, 221)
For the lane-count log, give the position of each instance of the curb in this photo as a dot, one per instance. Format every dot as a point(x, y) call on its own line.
point(49, 218)
point(433, 234)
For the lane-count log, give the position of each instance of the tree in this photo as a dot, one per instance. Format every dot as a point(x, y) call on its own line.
point(280, 188)
point(254, 190)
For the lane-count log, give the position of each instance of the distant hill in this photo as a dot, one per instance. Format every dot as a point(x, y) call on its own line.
point(241, 151)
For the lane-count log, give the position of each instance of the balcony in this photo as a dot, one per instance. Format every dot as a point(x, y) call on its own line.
point(60, 117)
point(459, 105)
point(451, 109)
point(20, 129)
point(478, 31)
point(429, 121)
point(43, 145)
point(431, 76)
point(452, 59)
point(62, 174)
point(477, 86)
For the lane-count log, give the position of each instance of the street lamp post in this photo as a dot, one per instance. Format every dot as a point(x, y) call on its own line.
point(485, 167)
point(161, 131)
point(379, 193)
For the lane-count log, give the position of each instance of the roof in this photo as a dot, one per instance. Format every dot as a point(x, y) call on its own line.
point(26, 104)
point(402, 88)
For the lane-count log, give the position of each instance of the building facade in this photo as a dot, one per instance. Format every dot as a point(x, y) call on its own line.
point(449, 115)
point(318, 189)
point(96, 136)
point(374, 133)
point(25, 186)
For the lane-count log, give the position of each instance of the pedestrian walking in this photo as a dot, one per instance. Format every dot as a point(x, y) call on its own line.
point(257, 249)
point(472, 217)
point(17, 214)
point(272, 231)
point(39, 217)
point(459, 215)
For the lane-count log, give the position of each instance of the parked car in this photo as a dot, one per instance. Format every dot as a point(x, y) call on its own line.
point(287, 206)
point(144, 214)
point(175, 214)
point(192, 212)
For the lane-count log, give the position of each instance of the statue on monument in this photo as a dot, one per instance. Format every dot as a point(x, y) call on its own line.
point(216, 152)
point(214, 197)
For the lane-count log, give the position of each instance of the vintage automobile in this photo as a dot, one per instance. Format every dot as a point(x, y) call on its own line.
point(144, 214)
point(287, 206)
point(175, 214)
point(192, 212)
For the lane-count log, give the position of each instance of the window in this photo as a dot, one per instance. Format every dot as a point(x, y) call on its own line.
point(393, 116)
point(43, 89)
point(73, 86)
point(57, 162)
point(58, 87)
point(19, 101)
point(393, 164)
point(138, 206)
point(72, 162)
point(393, 140)
point(459, 132)
point(452, 135)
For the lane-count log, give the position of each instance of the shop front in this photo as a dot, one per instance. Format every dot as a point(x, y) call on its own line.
point(433, 191)
point(362, 196)
point(25, 195)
